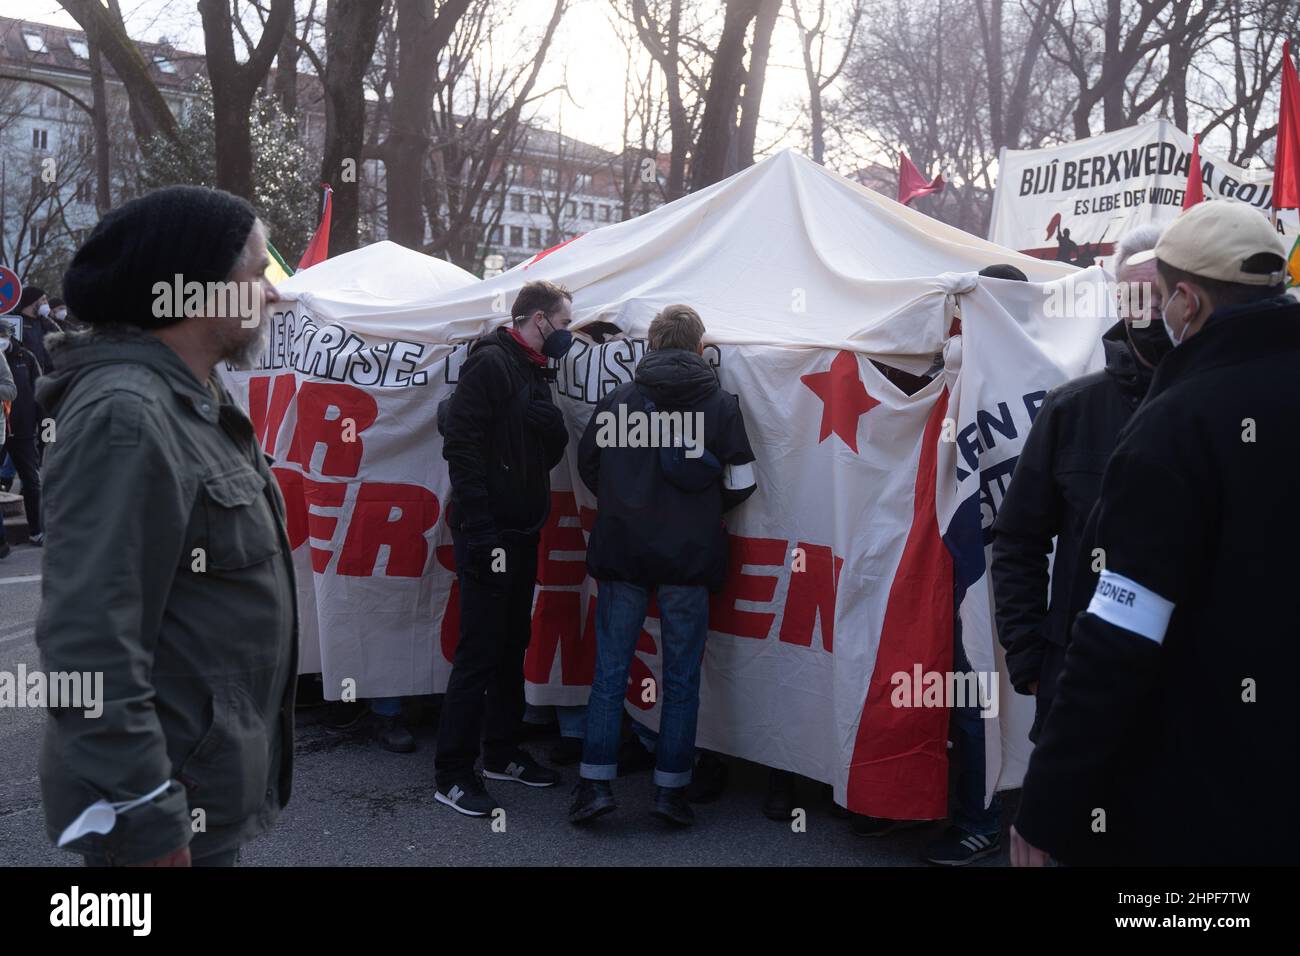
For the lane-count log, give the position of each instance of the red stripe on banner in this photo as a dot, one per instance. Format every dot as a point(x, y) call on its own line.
point(900, 758)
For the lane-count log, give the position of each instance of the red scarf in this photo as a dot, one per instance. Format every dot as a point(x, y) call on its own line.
point(536, 357)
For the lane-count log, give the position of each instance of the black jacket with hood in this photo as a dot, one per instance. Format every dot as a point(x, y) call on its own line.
point(499, 453)
point(1054, 487)
point(25, 414)
point(1175, 714)
point(648, 529)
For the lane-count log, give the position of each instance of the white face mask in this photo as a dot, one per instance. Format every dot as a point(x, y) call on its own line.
point(1165, 321)
point(60, 314)
point(43, 310)
point(4, 344)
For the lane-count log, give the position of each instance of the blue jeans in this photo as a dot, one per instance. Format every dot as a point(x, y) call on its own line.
point(969, 813)
point(684, 625)
point(7, 470)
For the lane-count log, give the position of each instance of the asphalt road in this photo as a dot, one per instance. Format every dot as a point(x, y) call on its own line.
point(355, 804)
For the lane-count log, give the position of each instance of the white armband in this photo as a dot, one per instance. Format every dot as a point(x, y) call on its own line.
point(1125, 603)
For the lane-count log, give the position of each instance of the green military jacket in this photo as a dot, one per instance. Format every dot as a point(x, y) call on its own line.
point(168, 569)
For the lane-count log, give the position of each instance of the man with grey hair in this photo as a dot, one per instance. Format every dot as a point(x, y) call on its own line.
point(1057, 481)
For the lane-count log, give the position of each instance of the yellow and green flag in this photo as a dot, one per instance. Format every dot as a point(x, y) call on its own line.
point(278, 270)
point(1293, 265)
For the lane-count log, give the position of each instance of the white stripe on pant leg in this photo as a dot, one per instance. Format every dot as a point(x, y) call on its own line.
point(1125, 603)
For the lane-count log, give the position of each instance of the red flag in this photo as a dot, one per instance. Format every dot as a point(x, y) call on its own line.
point(318, 250)
point(1195, 191)
point(912, 184)
point(1286, 167)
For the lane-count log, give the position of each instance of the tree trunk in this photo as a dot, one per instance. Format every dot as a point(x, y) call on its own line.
point(718, 124)
point(234, 85)
point(286, 73)
point(421, 37)
point(351, 31)
point(752, 100)
point(99, 121)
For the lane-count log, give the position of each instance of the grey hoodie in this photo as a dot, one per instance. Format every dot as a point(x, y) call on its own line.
point(166, 568)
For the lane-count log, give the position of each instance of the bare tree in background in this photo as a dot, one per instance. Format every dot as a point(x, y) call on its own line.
point(635, 171)
point(814, 33)
point(235, 82)
point(478, 123)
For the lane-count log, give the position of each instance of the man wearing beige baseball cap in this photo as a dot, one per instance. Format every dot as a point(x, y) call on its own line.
point(1172, 736)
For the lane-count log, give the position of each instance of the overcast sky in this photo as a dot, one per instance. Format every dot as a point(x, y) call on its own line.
point(587, 52)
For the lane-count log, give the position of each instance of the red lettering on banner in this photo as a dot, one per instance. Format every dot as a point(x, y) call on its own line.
point(315, 427)
point(724, 616)
point(295, 505)
point(557, 617)
point(563, 537)
point(373, 525)
point(321, 526)
point(812, 595)
point(267, 414)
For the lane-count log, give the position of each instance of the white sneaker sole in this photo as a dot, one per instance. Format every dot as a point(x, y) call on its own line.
point(459, 809)
point(492, 775)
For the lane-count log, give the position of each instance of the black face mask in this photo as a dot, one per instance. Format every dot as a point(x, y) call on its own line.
point(1150, 342)
point(557, 343)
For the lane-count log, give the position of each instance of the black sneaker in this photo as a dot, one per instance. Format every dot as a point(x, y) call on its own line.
point(592, 798)
point(671, 804)
point(566, 752)
point(709, 780)
point(522, 768)
point(878, 826)
point(391, 734)
point(957, 847)
point(467, 796)
point(780, 800)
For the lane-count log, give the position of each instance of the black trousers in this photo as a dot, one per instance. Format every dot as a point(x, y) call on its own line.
point(485, 695)
point(27, 464)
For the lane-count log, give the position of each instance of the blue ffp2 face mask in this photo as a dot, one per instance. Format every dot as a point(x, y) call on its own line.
point(558, 343)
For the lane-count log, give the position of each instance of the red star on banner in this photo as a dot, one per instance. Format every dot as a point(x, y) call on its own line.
point(844, 398)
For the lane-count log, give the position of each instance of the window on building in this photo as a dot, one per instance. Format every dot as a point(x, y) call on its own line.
point(35, 42)
point(40, 138)
point(535, 238)
point(534, 203)
point(36, 234)
point(79, 48)
point(496, 235)
point(516, 202)
point(604, 214)
point(83, 142)
point(513, 173)
point(53, 98)
point(571, 208)
point(164, 65)
point(588, 211)
point(549, 176)
point(516, 236)
point(584, 182)
point(552, 237)
point(85, 191)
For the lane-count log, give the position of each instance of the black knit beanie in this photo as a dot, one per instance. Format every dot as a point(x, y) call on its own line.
point(192, 231)
point(29, 295)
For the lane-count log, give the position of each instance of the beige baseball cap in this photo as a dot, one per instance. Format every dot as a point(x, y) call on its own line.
point(1224, 240)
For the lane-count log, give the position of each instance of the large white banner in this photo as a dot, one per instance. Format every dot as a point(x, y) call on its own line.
point(1073, 202)
point(842, 581)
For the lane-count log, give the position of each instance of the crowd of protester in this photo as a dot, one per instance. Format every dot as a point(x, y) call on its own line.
point(1140, 561)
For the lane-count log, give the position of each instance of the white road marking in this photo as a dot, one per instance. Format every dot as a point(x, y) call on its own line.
point(19, 636)
point(22, 579)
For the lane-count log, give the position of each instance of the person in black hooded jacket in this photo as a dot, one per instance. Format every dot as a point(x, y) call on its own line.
point(666, 454)
point(18, 434)
point(1057, 481)
point(502, 435)
point(1172, 737)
